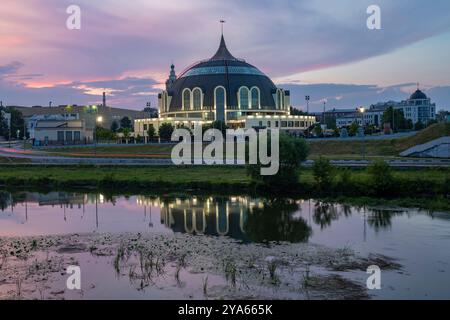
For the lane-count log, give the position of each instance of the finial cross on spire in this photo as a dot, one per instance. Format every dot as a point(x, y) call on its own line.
point(222, 23)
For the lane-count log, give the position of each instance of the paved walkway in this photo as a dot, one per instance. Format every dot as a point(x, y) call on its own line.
point(40, 159)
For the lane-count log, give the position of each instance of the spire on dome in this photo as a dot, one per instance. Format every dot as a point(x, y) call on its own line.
point(223, 53)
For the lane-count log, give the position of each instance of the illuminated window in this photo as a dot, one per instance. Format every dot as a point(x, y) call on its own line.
point(197, 99)
point(279, 99)
point(186, 99)
point(255, 98)
point(243, 98)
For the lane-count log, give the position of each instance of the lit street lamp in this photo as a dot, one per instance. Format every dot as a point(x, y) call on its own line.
point(99, 119)
point(307, 98)
point(362, 110)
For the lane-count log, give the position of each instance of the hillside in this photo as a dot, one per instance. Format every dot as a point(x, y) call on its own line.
point(391, 147)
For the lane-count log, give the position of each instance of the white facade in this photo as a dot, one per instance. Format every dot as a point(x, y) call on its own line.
point(284, 123)
point(60, 132)
point(372, 117)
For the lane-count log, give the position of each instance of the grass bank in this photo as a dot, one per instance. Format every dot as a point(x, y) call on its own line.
point(377, 148)
point(431, 184)
point(340, 149)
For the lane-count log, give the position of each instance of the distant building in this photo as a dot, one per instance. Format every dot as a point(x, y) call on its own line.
point(372, 116)
point(418, 108)
point(59, 131)
point(86, 113)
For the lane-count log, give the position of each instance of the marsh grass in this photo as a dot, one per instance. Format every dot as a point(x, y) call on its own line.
point(272, 267)
point(181, 263)
point(3, 258)
point(205, 287)
point(230, 271)
point(19, 287)
point(306, 277)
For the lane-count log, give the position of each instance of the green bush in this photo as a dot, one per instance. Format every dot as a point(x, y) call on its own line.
point(346, 177)
point(323, 173)
point(381, 179)
point(293, 151)
point(165, 131)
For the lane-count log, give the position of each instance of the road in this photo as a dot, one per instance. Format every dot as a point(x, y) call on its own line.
point(39, 158)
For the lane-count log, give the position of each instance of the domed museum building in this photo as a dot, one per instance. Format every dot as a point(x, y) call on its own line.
point(228, 89)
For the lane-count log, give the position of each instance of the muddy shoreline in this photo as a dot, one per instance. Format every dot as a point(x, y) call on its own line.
point(178, 266)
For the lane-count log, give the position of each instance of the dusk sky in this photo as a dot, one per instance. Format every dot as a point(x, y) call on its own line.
point(322, 48)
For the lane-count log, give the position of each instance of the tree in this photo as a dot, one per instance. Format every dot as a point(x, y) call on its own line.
point(4, 129)
point(318, 130)
point(381, 178)
point(330, 122)
point(292, 152)
point(104, 134)
point(323, 173)
point(419, 126)
point(125, 122)
point(400, 122)
point(443, 115)
point(114, 126)
point(296, 112)
point(409, 124)
point(353, 129)
point(275, 221)
point(126, 134)
point(165, 131)
point(17, 123)
point(152, 112)
point(151, 132)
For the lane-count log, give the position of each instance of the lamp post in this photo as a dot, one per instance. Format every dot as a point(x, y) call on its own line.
point(362, 110)
point(307, 98)
point(393, 120)
point(99, 119)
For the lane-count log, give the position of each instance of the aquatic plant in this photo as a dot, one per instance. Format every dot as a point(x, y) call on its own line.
point(3, 258)
point(120, 255)
point(205, 287)
point(272, 266)
point(230, 271)
point(306, 277)
point(18, 287)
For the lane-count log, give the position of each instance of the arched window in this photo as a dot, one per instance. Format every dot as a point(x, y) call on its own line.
point(243, 98)
point(220, 103)
point(255, 98)
point(197, 93)
point(186, 99)
point(279, 99)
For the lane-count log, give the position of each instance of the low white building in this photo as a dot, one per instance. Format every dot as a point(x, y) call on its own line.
point(60, 132)
point(370, 117)
point(418, 108)
point(291, 124)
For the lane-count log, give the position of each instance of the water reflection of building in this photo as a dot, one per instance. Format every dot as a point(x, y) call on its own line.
point(211, 216)
point(67, 199)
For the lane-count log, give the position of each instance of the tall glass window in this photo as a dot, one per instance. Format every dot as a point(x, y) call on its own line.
point(243, 99)
point(220, 103)
point(197, 99)
point(186, 99)
point(279, 99)
point(255, 98)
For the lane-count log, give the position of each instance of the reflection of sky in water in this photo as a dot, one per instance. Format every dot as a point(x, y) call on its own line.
point(419, 241)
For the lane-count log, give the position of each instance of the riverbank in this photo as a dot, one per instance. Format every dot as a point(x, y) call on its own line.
point(178, 266)
point(419, 183)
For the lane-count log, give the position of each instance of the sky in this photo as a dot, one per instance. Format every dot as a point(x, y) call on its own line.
point(320, 48)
